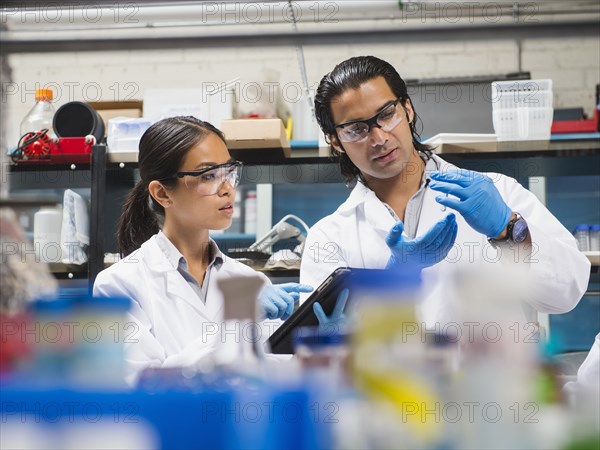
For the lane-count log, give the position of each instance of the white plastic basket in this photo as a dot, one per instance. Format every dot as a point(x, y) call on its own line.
point(517, 124)
point(523, 99)
point(522, 109)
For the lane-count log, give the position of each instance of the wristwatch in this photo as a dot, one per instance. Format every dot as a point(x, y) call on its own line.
point(516, 230)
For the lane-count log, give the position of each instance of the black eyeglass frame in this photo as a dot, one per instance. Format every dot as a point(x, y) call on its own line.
point(372, 121)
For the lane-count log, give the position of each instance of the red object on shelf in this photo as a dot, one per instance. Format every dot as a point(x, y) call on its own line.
point(40, 148)
point(14, 345)
point(67, 150)
point(577, 126)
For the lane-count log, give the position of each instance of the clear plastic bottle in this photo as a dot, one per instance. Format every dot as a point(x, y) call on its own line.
point(41, 114)
point(582, 234)
point(595, 238)
point(250, 216)
point(100, 337)
point(236, 219)
point(323, 354)
point(389, 360)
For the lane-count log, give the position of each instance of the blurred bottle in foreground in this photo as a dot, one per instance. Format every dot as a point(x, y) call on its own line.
point(390, 364)
point(79, 340)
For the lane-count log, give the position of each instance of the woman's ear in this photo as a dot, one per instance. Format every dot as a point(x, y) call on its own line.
point(410, 112)
point(160, 193)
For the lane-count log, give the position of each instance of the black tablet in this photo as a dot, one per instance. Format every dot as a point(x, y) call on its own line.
point(281, 341)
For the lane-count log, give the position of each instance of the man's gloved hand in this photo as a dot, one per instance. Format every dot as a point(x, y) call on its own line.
point(478, 200)
point(424, 251)
point(337, 317)
point(277, 300)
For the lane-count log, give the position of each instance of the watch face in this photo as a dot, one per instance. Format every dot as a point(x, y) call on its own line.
point(519, 231)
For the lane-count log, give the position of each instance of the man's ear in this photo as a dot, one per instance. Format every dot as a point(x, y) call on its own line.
point(160, 193)
point(335, 143)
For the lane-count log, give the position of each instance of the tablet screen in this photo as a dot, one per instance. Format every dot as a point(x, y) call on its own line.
point(281, 341)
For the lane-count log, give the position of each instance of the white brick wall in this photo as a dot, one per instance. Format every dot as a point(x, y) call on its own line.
point(573, 64)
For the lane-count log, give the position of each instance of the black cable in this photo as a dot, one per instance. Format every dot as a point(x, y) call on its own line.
point(18, 153)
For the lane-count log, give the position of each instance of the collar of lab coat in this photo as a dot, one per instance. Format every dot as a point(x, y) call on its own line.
point(175, 285)
point(177, 260)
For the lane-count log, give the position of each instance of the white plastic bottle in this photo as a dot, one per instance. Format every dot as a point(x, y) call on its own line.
point(250, 215)
point(47, 224)
point(41, 114)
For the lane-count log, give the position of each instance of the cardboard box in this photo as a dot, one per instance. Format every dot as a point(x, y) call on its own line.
point(109, 110)
point(256, 140)
point(463, 143)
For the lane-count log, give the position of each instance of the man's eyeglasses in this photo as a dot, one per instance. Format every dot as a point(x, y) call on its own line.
point(358, 130)
point(208, 181)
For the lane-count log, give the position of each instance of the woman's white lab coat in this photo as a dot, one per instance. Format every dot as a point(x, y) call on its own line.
point(354, 236)
point(168, 324)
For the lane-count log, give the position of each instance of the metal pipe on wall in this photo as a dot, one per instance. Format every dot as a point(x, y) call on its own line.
point(37, 17)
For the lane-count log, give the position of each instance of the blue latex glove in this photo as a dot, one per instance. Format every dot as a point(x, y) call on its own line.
point(337, 317)
point(424, 251)
point(478, 200)
point(277, 300)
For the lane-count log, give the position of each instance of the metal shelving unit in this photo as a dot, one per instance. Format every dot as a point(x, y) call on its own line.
point(560, 158)
point(306, 166)
point(516, 159)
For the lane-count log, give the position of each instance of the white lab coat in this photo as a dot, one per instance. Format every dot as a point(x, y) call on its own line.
point(354, 236)
point(587, 385)
point(589, 372)
point(168, 324)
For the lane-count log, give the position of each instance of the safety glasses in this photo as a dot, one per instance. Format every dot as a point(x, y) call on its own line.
point(358, 130)
point(208, 181)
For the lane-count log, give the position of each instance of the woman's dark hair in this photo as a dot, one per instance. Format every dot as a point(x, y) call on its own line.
point(162, 150)
point(351, 74)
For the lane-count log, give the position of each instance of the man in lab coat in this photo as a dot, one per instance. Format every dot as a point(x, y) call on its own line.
point(410, 208)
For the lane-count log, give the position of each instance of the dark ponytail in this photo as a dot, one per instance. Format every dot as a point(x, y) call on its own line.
point(162, 150)
point(133, 233)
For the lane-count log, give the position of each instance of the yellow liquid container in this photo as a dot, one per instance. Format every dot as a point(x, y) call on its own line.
point(390, 356)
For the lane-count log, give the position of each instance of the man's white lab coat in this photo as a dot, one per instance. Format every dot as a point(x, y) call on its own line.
point(354, 236)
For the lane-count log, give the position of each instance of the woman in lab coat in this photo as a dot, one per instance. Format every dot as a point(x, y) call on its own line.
point(412, 208)
point(171, 272)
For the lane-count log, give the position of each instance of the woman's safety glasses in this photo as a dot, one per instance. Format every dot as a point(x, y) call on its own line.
point(208, 181)
point(358, 130)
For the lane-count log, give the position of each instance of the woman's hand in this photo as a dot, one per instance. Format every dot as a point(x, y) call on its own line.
point(277, 300)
